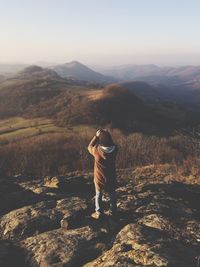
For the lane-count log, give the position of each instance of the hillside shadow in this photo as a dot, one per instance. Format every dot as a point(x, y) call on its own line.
point(14, 196)
point(11, 255)
point(187, 193)
point(174, 251)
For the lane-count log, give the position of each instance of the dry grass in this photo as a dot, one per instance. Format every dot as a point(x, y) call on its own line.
point(61, 152)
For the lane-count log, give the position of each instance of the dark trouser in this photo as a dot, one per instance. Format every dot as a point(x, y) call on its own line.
point(113, 201)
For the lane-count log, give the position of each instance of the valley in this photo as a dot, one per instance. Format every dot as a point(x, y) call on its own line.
point(46, 182)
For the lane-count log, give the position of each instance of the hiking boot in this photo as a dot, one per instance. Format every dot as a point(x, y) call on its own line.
point(96, 215)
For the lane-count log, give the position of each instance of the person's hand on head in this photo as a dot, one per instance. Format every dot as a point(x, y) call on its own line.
point(98, 132)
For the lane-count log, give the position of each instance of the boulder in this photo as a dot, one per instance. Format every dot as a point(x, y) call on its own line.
point(53, 182)
point(59, 247)
point(137, 245)
point(76, 184)
point(41, 217)
point(47, 222)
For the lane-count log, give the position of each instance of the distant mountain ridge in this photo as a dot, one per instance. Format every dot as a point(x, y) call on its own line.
point(29, 87)
point(35, 71)
point(73, 70)
point(145, 91)
point(187, 75)
point(10, 68)
point(179, 84)
point(149, 82)
point(77, 71)
point(41, 92)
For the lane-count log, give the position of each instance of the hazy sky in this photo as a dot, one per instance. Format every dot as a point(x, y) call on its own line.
point(100, 32)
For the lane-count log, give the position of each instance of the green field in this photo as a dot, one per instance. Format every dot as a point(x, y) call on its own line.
point(18, 128)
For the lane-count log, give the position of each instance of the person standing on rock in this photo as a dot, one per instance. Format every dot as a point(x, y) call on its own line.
point(104, 151)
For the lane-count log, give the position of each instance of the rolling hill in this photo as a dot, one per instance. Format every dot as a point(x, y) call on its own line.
point(41, 92)
point(77, 71)
point(147, 91)
point(6, 68)
point(29, 87)
point(187, 75)
point(112, 106)
point(179, 84)
point(38, 72)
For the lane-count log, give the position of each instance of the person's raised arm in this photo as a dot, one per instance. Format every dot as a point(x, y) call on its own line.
point(92, 144)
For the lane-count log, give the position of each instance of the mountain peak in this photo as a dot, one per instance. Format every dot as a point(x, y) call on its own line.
point(32, 69)
point(36, 71)
point(79, 71)
point(74, 62)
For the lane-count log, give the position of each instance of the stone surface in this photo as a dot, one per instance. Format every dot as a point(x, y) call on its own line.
point(76, 184)
point(46, 222)
point(147, 246)
point(41, 217)
point(59, 247)
point(164, 230)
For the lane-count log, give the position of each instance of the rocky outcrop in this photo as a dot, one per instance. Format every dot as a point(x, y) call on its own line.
point(137, 245)
point(158, 222)
point(60, 247)
point(41, 217)
point(74, 184)
point(164, 230)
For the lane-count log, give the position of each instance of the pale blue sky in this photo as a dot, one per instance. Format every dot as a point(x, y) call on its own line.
point(102, 32)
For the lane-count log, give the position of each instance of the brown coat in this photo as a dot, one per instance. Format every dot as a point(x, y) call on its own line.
point(104, 166)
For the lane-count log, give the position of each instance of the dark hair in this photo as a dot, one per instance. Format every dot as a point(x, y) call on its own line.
point(105, 138)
